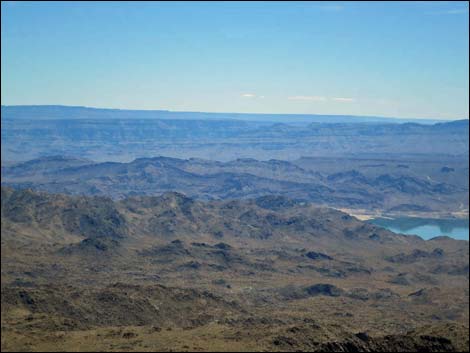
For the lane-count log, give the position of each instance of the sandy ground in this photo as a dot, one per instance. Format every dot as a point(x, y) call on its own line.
point(365, 215)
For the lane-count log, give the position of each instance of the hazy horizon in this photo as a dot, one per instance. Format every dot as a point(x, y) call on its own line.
point(237, 113)
point(258, 58)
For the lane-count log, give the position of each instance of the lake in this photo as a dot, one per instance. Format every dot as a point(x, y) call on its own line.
point(426, 228)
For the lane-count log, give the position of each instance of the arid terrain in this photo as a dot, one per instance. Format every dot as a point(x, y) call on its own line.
point(235, 176)
point(425, 186)
point(134, 230)
point(270, 273)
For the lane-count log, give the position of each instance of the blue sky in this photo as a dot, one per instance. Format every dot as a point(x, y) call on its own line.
point(403, 59)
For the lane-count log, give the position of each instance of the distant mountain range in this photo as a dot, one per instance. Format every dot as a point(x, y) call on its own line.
point(388, 185)
point(78, 112)
point(115, 135)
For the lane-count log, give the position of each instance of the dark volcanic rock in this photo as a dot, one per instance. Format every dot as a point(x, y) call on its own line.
point(317, 256)
point(451, 269)
point(400, 279)
point(424, 340)
point(92, 246)
point(416, 255)
point(273, 202)
point(323, 289)
point(169, 252)
point(222, 246)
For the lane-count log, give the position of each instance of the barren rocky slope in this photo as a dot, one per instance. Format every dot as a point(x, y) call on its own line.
point(271, 273)
point(386, 185)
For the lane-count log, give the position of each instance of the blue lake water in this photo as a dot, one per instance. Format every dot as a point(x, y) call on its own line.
point(426, 228)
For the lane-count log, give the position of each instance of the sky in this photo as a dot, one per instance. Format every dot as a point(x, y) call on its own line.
point(397, 59)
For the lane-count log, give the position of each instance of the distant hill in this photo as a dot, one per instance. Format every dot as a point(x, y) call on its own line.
point(123, 135)
point(77, 112)
point(359, 184)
